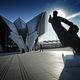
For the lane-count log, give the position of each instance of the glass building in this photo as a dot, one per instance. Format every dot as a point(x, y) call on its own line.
point(19, 35)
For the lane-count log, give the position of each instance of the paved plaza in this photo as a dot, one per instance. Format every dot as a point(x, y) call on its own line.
point(36, 65)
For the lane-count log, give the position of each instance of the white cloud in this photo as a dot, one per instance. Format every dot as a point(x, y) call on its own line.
point(73, 15)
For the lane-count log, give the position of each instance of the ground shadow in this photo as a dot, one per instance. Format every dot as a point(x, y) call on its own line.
point(71, 70)
point(10, 53)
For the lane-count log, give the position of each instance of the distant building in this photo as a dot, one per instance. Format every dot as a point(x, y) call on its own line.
point(19, 35)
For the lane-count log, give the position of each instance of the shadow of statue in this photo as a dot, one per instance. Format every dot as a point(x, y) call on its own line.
point(67, 37)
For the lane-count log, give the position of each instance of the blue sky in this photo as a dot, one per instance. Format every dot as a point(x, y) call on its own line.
point(30, 8)
point(27, 9)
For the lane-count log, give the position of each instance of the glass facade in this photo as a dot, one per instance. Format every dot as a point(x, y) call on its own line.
point(21, 35)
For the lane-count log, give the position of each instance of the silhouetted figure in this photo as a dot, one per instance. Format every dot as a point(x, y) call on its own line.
point(67, 37)
point(23, 51)
point(41, 47)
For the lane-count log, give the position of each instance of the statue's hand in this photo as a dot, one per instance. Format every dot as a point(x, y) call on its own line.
point(50, 18)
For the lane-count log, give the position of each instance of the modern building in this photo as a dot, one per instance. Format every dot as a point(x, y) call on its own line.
point(21, 27)
point(36, 27)
point(6, 27)
point(19, 35)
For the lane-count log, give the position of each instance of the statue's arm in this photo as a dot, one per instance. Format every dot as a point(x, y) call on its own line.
point(66, 21)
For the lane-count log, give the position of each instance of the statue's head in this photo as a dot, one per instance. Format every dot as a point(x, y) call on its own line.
point(55, 13)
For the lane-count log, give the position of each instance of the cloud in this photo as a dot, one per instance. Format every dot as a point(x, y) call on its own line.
point(73, 15)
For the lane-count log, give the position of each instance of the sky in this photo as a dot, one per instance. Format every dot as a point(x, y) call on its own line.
point(27, 9)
